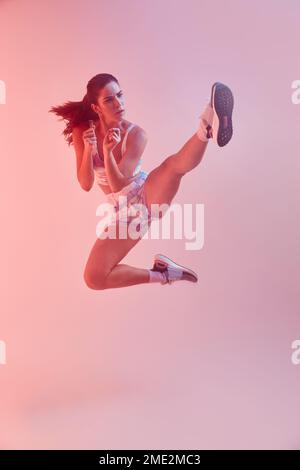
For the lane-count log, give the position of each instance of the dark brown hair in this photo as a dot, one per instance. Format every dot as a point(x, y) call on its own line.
point(77, 112)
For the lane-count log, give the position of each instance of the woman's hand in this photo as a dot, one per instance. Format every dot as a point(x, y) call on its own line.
point(112, 139)
point(89, 137)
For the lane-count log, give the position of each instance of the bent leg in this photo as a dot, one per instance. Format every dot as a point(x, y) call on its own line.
point(102, 270)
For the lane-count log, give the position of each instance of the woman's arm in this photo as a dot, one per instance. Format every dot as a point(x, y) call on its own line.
point(119, 175)
point(84, 160)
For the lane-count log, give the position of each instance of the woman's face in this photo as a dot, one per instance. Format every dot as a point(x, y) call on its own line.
point(110, 102)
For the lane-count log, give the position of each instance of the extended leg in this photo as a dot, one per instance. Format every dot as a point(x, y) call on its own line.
point(163, 182)
point(215, 123)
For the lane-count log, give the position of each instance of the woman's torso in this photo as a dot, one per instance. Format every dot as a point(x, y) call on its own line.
point(98, 158)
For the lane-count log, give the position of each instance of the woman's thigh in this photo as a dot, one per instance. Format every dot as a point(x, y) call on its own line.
point(162, 183)
point(105, 255)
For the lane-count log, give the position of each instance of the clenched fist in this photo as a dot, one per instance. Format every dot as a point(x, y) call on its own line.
point(112, 138)
point(89, 136)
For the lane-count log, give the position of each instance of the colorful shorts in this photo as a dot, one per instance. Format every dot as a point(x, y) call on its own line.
point(130, 204)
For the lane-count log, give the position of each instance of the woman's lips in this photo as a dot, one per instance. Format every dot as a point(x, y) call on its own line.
point(119, 112)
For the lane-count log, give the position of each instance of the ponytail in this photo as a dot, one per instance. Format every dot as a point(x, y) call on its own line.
point(74, 112)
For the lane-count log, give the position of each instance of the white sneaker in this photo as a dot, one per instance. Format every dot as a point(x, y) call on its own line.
point(173, 271)
point(216, 119)
point(222, 104)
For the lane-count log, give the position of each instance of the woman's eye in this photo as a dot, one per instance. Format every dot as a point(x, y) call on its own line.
point(109, 99)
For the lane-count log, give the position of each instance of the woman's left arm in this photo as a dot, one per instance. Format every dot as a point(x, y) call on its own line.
point(119, 175)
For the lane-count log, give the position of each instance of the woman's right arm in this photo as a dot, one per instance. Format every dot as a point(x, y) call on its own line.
point(84, 160)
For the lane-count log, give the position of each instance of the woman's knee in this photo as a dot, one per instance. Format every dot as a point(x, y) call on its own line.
point(95, 279)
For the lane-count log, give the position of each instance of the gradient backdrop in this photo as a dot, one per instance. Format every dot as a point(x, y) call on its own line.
point(150, 366)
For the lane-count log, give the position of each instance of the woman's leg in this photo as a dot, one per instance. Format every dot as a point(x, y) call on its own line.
point(102, 270)
point(163, 182)
point(215, 122)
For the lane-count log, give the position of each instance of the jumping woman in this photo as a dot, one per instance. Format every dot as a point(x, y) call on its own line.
point(109, 148)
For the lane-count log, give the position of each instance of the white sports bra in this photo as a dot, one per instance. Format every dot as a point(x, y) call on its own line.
point(99, 169)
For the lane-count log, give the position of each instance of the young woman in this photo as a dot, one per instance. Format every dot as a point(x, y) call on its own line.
point(109, 148)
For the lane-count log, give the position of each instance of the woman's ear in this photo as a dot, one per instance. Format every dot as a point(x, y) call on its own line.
point(95, 108)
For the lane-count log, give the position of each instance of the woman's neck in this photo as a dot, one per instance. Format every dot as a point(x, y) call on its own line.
point(102, 126)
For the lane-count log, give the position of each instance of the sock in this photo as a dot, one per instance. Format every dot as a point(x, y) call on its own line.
point(156, 276)
point(206, 120)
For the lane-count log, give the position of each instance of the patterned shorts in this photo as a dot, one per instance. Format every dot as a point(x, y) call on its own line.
point(130, 204)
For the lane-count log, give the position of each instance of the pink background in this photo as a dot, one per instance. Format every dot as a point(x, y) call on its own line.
point(150, 366)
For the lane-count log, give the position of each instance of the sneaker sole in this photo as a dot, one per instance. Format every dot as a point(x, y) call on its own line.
point(162, 261)
point(222, 102)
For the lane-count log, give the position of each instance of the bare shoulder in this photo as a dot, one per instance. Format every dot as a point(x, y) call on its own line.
point(138, 131)
point(137, 137)
point(136, 142)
